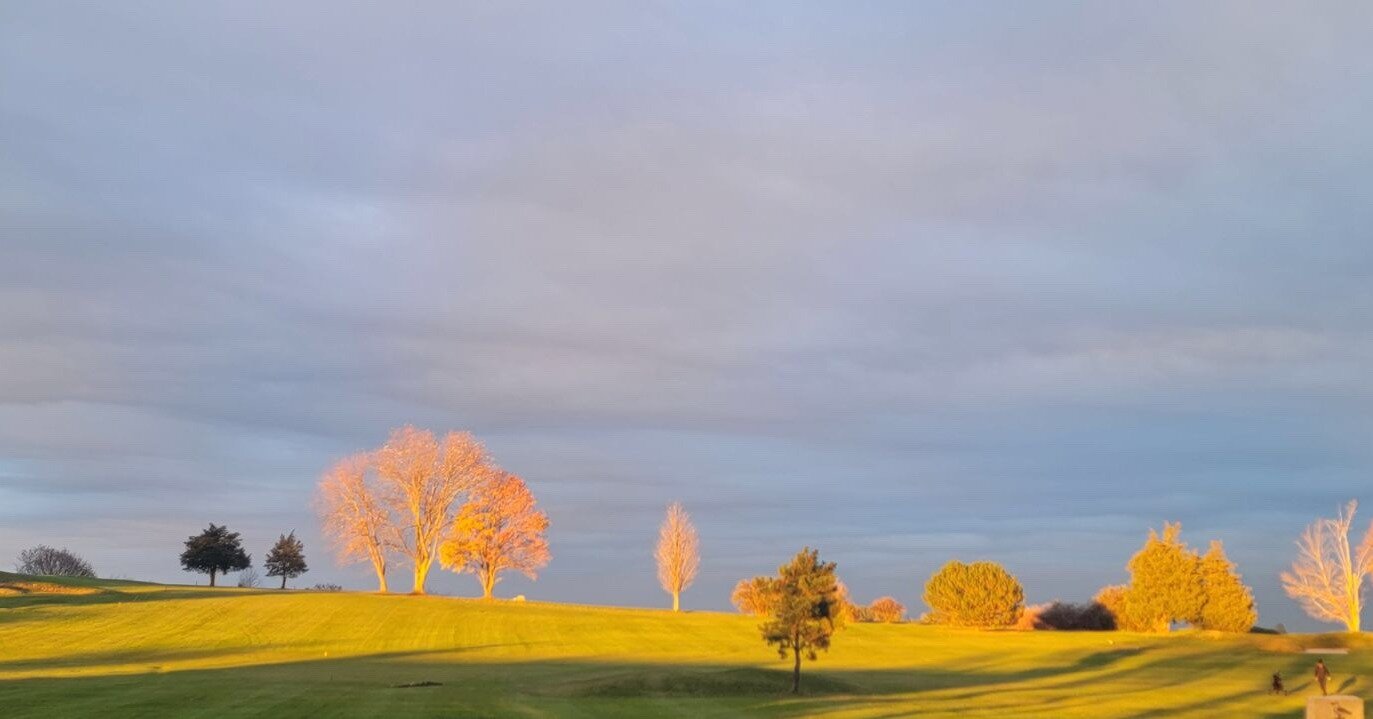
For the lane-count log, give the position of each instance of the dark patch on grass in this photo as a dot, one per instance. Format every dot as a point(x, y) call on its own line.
point(721, 683)
point(412, 685)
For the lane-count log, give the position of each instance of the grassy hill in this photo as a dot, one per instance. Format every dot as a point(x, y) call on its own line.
point(105, 648)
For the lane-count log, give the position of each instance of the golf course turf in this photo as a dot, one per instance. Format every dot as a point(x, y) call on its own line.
point(74, 648)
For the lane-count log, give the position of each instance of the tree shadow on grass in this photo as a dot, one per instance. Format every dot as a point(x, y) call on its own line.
point(150, 658)
point(12, 606)
point(443, 683)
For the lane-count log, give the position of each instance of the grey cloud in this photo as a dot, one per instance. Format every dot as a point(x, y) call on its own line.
point(901, 282)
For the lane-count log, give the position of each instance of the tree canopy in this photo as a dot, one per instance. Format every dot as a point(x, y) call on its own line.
point(1165, 583)
point(981, 594)
point(678, 553)
point(1330, 577)
point(286, 558)
point(1229, 605)
point(498, 529)
point(213, 551)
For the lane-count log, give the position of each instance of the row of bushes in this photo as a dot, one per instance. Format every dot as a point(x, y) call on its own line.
point(1169, 583)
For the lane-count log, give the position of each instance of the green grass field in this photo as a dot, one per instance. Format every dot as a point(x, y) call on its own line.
point(126, 648)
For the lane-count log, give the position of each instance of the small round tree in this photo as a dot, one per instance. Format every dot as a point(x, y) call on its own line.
point(981, 594)
point(213, 551)
point(756, 596)
point(886, 610)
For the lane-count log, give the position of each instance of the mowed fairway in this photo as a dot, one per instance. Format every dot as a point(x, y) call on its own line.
point(128, 649)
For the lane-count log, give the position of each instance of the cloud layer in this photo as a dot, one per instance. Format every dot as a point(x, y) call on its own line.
point(906, 283)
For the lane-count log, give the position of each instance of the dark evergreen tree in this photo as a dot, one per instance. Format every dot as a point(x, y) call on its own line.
point(213, 551)
point(807, 610)
point(286, 559)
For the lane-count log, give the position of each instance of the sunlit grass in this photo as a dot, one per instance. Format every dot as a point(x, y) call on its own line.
point(141, 649)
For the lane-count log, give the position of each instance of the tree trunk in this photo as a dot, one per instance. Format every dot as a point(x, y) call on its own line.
point(421, 573)
point(796, 672)
point(1352, 624)
point(380, 569)
point(676, 601)
point(212, 577)
point(488, 583)
point(283, 581)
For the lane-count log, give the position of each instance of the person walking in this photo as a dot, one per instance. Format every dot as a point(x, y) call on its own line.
point(1322, 675)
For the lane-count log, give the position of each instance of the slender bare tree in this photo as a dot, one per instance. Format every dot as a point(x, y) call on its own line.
point(678, 553)
point(1329, 577)
point(422, 478)
point(354, 516)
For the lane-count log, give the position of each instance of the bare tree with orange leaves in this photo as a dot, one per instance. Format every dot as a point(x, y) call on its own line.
point(498, 529)
point(678, 553)
point(422, 479)
point(1329, 578)
point(355, 517)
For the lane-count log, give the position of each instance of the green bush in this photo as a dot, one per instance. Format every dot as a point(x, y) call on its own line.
point(981, 594)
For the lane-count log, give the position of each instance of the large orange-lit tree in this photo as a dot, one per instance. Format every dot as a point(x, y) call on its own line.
point(678, 553)
point(498, 529)
point(354, 515)
point(1330, 576)
point(422, 477)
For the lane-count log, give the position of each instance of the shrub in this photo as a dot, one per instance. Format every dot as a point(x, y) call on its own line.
point(1089, 617)
point(1112, 599)
point(981, 594)
point(45, 560)
point(1028, 621)
point(847, 611)
point(756, 596)
point(886, 610)
point(326, 587)
point(249, 579)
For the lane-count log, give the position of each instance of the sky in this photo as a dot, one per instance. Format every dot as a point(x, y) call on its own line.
point(904, 282)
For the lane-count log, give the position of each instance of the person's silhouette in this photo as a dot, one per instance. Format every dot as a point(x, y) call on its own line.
point(1322, 675)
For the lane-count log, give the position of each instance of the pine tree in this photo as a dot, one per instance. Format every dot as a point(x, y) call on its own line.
point(286, 559)
point(1165, 582)
point(213, 551)
point(1229, 604)
point(806, 613)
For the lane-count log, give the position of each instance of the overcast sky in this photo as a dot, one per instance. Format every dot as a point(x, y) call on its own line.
point(905, 282)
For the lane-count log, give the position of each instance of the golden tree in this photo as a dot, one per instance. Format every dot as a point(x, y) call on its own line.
point(678, 553)
point(422, 478)
point(355, 517)
point(981, 594)
point(886, 610)
point(498, 529)
point(1329, 577)
point(754, 596)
